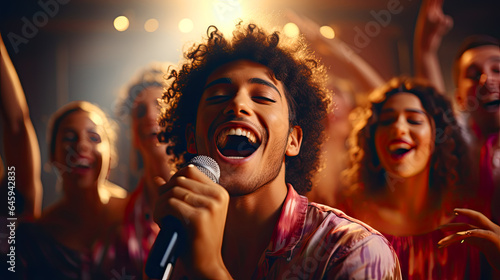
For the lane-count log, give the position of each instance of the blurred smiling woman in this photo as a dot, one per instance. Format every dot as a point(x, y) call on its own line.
point(408, 172)
point(73, 238)
point(82, 148)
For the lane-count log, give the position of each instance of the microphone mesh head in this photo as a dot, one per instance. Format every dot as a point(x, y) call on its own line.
point(208, 166)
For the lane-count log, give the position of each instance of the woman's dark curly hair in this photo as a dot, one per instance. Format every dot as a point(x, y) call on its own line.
point(447, 171)
point(292, 64)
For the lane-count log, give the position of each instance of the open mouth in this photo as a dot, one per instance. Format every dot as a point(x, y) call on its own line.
point(237, 142)
point(81, 164)
point(492, 106)
point(399, 150)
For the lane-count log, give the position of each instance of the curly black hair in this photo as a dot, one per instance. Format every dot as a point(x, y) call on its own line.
point(292, 63)
point(450, 153)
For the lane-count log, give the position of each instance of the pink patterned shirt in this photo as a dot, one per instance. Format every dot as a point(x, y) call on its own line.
point(314, 241)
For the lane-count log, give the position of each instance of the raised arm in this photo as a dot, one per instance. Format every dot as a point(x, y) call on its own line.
point(20, 142)
point(432, 24)
point(342, 60)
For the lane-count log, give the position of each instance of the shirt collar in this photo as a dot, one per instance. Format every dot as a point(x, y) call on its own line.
point(289, 228)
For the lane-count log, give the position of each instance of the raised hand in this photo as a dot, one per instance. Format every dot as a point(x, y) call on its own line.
point(201, 205)
point(432, 25)
point(480, 233)
point(22, 151)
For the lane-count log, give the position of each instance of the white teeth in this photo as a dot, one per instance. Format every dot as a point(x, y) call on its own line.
point(222, 139)
point(82, 162)
point(396, 146)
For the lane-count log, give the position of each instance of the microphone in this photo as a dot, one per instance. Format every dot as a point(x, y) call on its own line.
point(163, 254)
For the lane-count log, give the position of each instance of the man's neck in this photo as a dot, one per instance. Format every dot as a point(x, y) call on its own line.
point(249, 227)
point(481, 133)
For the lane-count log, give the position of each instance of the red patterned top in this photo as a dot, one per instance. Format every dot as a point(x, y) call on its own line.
point(420, 257)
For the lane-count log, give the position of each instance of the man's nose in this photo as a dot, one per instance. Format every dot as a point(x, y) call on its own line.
point(239, 105)
point(490, 82)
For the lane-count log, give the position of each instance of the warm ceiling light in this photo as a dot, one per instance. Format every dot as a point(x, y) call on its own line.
point(151, 25)
point(186, 25)
point(121, 23)
point(291, 29)
point(327, 32)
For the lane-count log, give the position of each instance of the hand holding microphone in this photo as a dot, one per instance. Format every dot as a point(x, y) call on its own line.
point(193, 209)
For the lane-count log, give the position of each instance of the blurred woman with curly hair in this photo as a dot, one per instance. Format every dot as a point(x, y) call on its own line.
point(408, 171)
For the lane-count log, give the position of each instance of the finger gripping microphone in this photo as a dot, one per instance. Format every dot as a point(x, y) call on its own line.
point(208, 166)
point(164, 252)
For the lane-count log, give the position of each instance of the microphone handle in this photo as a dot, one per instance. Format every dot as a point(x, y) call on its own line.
point(164, 251)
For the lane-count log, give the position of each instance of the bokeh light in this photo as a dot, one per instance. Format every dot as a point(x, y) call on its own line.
point(291, 30)
point(186, 25)
point(121, 23)
point(327, 32)
point(151, 25)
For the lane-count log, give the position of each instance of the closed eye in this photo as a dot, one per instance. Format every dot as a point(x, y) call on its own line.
point(473, 74)
point(217, 99)
point(474, 77)
point(411, 121)
point(262, 99)
point(385, 122)
point(69, 136)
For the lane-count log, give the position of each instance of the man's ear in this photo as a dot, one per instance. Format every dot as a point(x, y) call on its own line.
point(294, 141)
point(191, 139)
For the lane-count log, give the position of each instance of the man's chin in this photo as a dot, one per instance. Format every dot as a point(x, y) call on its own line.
point(234, 185)
point(489, 123)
